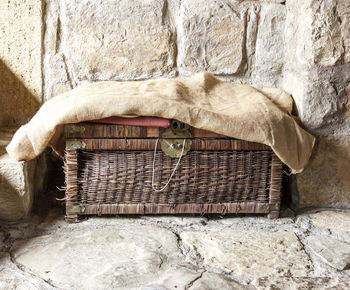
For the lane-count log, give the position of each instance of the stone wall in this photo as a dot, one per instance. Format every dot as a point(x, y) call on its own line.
point(21, 30)
point(302, 46)
point(317, 73)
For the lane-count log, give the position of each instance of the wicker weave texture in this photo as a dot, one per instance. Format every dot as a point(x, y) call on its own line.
point(110, 177)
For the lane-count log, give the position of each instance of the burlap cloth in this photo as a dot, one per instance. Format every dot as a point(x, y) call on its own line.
point(203, 101)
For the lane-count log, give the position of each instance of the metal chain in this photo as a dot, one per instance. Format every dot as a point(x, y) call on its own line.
point(176, 166)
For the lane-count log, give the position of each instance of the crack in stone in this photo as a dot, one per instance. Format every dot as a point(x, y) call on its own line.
point(190, 284)
point(7, 241)
point(306, 252)
point(23, 269)
point(164, 12)
point(67, 71)
point(58, 35)
point(179, 242)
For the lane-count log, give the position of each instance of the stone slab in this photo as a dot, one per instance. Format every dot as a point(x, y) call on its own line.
point(178, 278)
point(101, 258)
point(177, 220)
point(248, 253)
point(336, 221)
point(11, 277)
point(292, 283)
point(331, 251)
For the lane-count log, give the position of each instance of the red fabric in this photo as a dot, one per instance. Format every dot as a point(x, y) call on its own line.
point(138, 121)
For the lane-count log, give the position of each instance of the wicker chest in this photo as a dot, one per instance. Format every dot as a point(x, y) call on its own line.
point(120, 169)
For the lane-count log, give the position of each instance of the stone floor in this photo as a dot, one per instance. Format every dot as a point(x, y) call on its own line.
point(307, 251)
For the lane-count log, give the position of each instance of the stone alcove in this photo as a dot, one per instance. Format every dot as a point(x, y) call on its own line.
point(49, 47)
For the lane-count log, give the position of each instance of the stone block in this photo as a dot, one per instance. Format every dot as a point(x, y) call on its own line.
point(107, 40)
point(316, 69)
point(316, 101)
point(100, 258)
point(20, 60)
point(210, 37)
point(317, 32)
point(269, 51)
point(18, 183)
point(344, 12)
point(297, 35)
point(250, 254)
point(16, 188)
point(331, 251)
point(327, 42)
point(336, 221)
point(325, 181)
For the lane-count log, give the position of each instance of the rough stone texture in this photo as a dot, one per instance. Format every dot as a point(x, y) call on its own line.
point(210, 281)
point(13, 278)
point(336, 13)
point(327, 43)
point(318, 102)
point(292, 283)
point(250, 253)
point(331, 251)
point(20, 60)
point(316, 73)
point(319, 32)
point(312, 41)
point(21, 30)
point(134, 40)
point(135, 256)
point(345, 27)
point(18, 182)
point(269, 55)
point(16, 188)
point(153, 253)
point(337, 222)
point(325, 181)
point(177, 278)
point(202, 45)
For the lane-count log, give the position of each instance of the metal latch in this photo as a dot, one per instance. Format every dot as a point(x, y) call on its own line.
point(173, 139)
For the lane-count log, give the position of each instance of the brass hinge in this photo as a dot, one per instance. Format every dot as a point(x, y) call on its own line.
point(75, 144)
point(74, 129)
point(272, 207)
point(75, 209)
